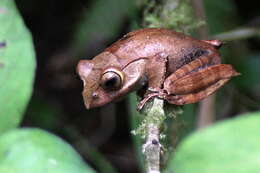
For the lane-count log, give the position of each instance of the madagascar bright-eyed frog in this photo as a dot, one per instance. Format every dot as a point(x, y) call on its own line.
point(171, 65)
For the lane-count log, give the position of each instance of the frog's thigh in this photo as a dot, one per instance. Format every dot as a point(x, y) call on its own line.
point(156, 70)
point(197, 85)
point(195, 97)
point(186, 69)
point(198, 80)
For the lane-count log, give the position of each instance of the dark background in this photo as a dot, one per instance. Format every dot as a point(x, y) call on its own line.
point(57, 104)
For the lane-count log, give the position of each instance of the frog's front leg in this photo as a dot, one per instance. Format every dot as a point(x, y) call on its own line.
point(197, 85)
point(155, 78)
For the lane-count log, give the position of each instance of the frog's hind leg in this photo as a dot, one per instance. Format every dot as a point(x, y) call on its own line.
point(195, 97)
point(197, 85)
point(184, 99)
point(199, 80)
point(194, 65)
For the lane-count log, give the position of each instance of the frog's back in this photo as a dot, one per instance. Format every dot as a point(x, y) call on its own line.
point(148, 42)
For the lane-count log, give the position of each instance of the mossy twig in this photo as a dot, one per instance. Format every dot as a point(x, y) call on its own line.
point(172, 14)
point(155, 115)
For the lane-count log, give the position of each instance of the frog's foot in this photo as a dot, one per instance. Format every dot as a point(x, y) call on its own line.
point(154, 90)
point(146, 99)
point(160, 93)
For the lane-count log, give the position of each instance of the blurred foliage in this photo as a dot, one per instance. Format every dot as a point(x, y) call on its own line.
point(220, 15)
point(93, 25)
point(251, 69)
point(177, 15)
point(65, 32)
point(135, 120)
point(17, 66)
point(33, 150)
point(228, 146)
point(43, 114)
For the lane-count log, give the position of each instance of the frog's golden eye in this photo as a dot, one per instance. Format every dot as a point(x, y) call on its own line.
point(112, 79)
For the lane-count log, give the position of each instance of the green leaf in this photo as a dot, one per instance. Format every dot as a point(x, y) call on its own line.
point(36, 151)
point(17, 66)
point(229, 146)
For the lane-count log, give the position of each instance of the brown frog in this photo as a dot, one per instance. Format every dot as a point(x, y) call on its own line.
point(172, 66)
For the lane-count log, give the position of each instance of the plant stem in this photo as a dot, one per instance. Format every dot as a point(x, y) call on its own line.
point(238, 34)
point(206, 114)
point(152, 147)
point(200, 14)
point(172, 14)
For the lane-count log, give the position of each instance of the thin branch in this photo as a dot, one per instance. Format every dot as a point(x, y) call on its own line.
point(206, 113)
point(200, 14)
point(238, 34)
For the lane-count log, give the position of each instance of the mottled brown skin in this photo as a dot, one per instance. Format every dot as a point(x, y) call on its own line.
point(175, 67)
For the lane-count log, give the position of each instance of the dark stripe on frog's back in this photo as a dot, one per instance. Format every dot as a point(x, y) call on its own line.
point(189, 55)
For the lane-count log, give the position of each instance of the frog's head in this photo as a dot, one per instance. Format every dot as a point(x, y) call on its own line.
point(106, 81)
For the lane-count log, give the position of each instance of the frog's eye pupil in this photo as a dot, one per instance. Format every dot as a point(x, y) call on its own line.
point(111, 81)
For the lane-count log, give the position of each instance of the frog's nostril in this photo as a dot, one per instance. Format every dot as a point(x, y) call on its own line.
point(95, 95)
